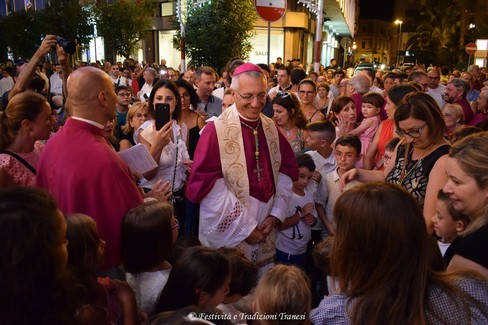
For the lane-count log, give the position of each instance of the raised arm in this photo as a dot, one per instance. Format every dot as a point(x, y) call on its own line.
point(29, 70)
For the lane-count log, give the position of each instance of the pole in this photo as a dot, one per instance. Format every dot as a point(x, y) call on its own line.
point(399, 43)
point(269, 40)
point(318, 36)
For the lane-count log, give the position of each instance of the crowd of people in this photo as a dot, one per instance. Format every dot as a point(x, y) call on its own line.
point(310, 198)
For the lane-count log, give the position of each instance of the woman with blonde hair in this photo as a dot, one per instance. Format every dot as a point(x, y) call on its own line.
point(26, 120)
point(454, 118)
point(467, 187)
point(387, 266)
point(283, 294)
point(136, 115)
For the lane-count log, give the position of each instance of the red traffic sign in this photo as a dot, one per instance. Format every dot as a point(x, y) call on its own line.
point(270, 10)
point(471, 48)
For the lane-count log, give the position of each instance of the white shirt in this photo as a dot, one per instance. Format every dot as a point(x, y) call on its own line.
point(56, 84)
point(437, 95)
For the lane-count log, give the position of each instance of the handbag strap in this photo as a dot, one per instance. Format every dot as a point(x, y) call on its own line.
point(20, 159)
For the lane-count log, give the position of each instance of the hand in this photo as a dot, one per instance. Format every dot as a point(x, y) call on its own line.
point(267, 225)
point(161, 137)
point(202, 113)
point(62, 55)
point(122, 291)
point(161, 191)
point(256, 237)
point(347, 177)
point(316, 176)
point(309, 219)
point(307, 209)
point(330, 228)
point(48, 43)
point(188, 163)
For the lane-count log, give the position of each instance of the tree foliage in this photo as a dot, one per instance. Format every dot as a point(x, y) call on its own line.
point(218, 31)
point(20, 34)
point(123, 24)
point(68, 19)
point(443, 30)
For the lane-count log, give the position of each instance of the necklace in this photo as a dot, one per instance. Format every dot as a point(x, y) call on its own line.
point(409, 153)
point(287, 131)
point(258, 170)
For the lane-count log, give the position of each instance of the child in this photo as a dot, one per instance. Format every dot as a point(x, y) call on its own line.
point(283, 293)
point(321, 258)
point(148, 233)
point(113, 299)
point(294, 233)
point(320, 137)
point(243, 280)
point(389, 151)
point(371, 107)
point(201, 276)
point(347, 153)
point(447, 224)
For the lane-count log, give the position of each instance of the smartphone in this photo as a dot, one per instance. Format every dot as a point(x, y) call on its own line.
point(161, 114)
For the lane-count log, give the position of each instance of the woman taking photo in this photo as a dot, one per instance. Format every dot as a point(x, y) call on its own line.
point(386, 266)
point(167, 147)
point(467, 187)
point(290, 119)
point(420, 158)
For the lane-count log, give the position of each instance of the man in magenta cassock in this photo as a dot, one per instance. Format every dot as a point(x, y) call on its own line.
point(80, 168)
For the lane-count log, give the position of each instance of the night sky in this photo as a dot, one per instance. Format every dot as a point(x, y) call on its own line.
point(379, 9)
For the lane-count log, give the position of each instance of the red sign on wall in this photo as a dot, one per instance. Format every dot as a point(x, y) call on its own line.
point(270, 10)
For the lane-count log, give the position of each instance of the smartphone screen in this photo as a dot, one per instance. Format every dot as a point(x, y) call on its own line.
point(161, 114)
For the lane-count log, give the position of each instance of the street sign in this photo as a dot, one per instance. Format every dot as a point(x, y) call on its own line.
point(270, 10)
point(471, 48)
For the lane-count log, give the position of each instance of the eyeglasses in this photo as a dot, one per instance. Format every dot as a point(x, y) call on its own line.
point(140, 115)
point(176, 224)
point(250, 97)
point(283, 94)
point(386, 157)
point(415, 133)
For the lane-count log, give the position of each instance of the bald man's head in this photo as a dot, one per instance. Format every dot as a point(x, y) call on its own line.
point(91, 94)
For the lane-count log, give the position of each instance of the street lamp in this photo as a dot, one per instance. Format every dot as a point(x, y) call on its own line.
point(399, 22)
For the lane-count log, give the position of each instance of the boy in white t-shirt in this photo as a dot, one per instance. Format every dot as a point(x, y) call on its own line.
point(294, 233)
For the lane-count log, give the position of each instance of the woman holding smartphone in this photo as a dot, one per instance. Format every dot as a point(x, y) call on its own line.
point(166, 145)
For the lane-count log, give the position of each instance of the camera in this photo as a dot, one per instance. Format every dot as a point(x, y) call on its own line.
point(68, 46)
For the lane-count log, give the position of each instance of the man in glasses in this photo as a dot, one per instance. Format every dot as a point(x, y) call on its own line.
point(121, 108)
point(241, 175)
point(436, 89)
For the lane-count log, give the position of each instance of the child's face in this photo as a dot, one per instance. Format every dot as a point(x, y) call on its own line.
point(211, 300)
point(304, 177)
point(314, 141)
point(444, 226)
point(346, 157)
point(369, 110)
point(388, 155)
